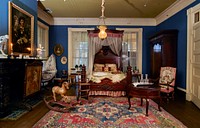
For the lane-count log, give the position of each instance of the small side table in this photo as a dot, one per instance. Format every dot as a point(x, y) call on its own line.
point(83, 90)
point(144, 92)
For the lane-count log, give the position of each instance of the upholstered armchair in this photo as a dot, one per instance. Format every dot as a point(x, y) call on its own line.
point(49, 70)
point(167, 82)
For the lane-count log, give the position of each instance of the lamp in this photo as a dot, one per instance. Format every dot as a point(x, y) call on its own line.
point(102, 34)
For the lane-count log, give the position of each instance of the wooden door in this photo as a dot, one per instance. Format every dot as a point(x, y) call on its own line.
point(193, 71)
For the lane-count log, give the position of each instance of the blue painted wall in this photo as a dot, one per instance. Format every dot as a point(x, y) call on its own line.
point(4, 17)
point(179, 22)
point(59, 35)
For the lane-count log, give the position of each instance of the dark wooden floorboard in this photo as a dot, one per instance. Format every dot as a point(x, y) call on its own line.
point(184, 111)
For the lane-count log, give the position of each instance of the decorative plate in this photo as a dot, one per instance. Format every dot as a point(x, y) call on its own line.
point(64, 60)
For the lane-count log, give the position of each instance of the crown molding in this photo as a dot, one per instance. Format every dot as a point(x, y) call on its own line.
point(172, 10)
point(108, 21)
point(45, 17)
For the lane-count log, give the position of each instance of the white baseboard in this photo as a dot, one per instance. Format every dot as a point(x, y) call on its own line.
point(181, 89)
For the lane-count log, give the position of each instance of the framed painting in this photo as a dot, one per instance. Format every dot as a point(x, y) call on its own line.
point(58, 49)
point(21, 31)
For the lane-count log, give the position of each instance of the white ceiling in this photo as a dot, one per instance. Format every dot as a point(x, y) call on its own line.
point(113, 8)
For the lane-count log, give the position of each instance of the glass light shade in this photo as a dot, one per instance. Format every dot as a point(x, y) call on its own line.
point(102, 34)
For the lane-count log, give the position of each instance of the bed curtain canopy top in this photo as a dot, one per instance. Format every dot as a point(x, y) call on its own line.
point(110, 33)
point(114, 41)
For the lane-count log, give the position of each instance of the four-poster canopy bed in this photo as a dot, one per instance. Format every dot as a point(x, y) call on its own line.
point(105, 72)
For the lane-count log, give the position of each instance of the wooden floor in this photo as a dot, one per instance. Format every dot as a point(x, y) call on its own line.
point(183, 110)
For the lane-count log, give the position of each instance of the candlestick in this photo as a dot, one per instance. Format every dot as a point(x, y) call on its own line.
point(11, 47)
point(146, 76)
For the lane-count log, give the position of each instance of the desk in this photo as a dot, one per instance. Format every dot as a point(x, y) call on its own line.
point(144, 92)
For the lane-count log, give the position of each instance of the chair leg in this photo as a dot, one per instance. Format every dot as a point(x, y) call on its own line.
point(172, 95)
point(168, 97)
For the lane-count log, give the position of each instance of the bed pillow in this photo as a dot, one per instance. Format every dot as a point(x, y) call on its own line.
point(98, 67)
point(106, 69)
point(112, 67)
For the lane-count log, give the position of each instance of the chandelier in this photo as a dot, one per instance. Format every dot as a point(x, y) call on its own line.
point(102, 27)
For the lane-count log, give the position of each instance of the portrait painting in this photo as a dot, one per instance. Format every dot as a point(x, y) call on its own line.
point(21, 29)
point(58, 49)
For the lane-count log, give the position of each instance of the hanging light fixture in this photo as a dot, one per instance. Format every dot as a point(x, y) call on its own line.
point(102, 28)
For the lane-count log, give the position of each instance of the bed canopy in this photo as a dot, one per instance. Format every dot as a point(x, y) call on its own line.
point(113, 40)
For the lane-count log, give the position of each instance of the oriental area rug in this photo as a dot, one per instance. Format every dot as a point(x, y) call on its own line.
point(107, 112)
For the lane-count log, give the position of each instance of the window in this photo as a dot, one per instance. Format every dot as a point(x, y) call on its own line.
point(132, 48)
point(80, 48)
point(43, 37)
point(77, 47)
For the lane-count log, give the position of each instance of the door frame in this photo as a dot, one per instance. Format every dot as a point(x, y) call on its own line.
point(190, 35)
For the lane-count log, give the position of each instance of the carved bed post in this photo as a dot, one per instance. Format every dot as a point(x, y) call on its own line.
point(83, 74)
point(129, 75)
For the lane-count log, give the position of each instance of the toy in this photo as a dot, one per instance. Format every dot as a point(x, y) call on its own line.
point(60, 90)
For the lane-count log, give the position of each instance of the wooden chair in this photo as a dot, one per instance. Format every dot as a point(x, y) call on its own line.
point(167, 82)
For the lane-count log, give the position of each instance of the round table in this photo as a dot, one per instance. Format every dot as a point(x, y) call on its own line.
point(144, 91)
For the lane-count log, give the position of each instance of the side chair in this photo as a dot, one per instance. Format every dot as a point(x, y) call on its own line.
point(167, 82)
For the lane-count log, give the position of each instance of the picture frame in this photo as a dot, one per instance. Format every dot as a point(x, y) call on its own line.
point(58, 49)
point(63, 60)
point(21, 31)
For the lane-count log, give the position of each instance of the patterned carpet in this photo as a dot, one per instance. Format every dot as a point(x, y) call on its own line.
point(108, 113)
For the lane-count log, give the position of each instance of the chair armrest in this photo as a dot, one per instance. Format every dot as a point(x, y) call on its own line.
point(167, 84)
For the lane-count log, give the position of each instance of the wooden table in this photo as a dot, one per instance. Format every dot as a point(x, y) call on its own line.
point(144, 92)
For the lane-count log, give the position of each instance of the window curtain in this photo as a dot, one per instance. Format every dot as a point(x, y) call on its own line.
point(79, 46)
point(114, 40)
point(129, 49)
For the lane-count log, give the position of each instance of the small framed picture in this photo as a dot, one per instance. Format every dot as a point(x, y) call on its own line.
point(64, 60)
point(58, 49)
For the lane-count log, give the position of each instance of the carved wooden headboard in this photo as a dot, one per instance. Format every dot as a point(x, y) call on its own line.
point(106, 56)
